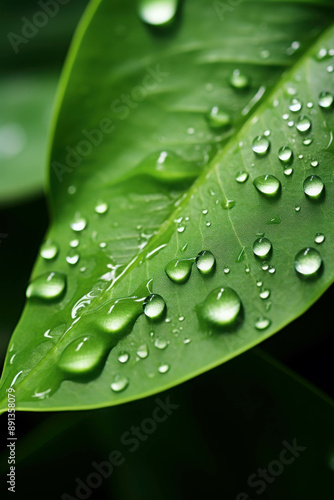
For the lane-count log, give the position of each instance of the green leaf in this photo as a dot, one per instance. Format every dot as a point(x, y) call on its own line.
point(134, 215)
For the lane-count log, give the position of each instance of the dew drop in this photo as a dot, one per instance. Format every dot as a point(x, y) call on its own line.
point(123, 357)
point(179, 270)
point(82, 355)
point(308, 262)
point(163, 368)
point(260, 145)
point(303, 124)
point(285, 155)
point(160, 343)
point(295, 105)
point(268, 185)
point(101, 207)
point(307, 142)
point(271, 270)
point(142, 351)
point(205, 262)
point(218, 118)
point(313, 186)
point(297, 208)
point(119, 383)
point(242, 177)
point(221, 307)
point(157, 12)
point(74, 243)
point(226, 270)
point(122, 315)
point(262, 323)
point(264, 294)
point(154, 307)
point(47, 287)
point(262, 248)
point(314, 163)
point(325, 100)
point(72, 257)
point(239, 80)
point(319, 238)
point(274, 220)
point(288, 171)
point(228, 204)
point(49, 250)
point(79, 223)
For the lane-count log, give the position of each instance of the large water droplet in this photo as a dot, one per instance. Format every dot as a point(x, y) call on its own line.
point(308, 262)
point(168, 167)
point(119, 383)
point(82, 355)
point(154, 306)
point(47, 287)
point(157, 12)
point(313, 186)
point(241, 177)
point(285, 155)
point(262, 248)
point(205, 262)
point(260, 145)
point(218, 118)
point(303, 124)
point(239, 80)
point(122, 315)
point(268, 185)
point(221, 307)
point(179, 270)
point(325, 100)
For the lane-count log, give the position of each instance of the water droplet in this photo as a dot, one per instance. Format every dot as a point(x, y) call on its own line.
point(179, 270)
point(168, 167)
point(322, 54)
point(122, 315)
point(264, 294)
point(295, 105)
point(260, 145)
point(101, 207)
point(142, 351)
point(262, 323)
point(49, 250)
point(123, 357)
point(303, 124)
point(226, 270)
point(164, 368)
point(319, 238)
point(325, 100)
point(205, 262)
point(157, 12)
point(208, 224)
point(310, 105)
point(154, 306)
point(181, 229)
point(218, 118)
point(221, 307)
point(119, 383)
point(285, 155)
point(242, 176)
point(308, 262)
point(79, 223)
point(271, 270)
point(160, 343)
point(82, 355)
point(268, 185)
point(313, 186)
point(239, 80)
point(262, 248)
point(74, 243)
point(204, 212)
point(228, 204)
point(47, 287)
point(314, 163)
point(307, 142)
point(259, 283)
point(288, 171)
point(73, 257)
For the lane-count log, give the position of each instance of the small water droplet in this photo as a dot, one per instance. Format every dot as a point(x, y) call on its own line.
point(319, 238)
point(313, 186)
point(264, 294)
point(101, 207)
point(47, 287)
point(274, 220)
point(82, 355)
point(123, 357)
point(262, 323)
point(297, 208)
point(271, 270)
point(181, 229)
point(218, 118)
point(163, 368)
point(295, 105)
point(262, 248)
point(288, 171)
point(157, 12)
point(74, 243)
point(227, 204)
point(119, 383)
point(160, 343)
point(226, 270)
point(49, 250)
point(204, 212)
point(325, 100)
point(179, 270)
point(260, 145)
point(242, 177)
point(314, 163)
point(221, 307)
point(285, 155)
point(307, 142)
point(303, 124)
point(73, 257)
point(308, 262)
point(322, 54)
point(142, 351)
point(268, 185)
point(205, 262)
point(239, 80)
point(79, 223)
point(208, 224)
point(154, 307)
point(259, 283)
